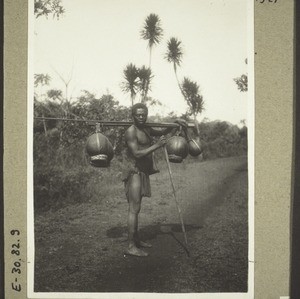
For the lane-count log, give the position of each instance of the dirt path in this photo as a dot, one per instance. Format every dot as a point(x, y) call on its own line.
point(80, 248)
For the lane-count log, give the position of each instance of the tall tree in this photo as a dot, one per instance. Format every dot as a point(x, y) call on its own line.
point(46, 7)
point(194, 99)
point(152, 32)
point(174, 55)
point(130, 85)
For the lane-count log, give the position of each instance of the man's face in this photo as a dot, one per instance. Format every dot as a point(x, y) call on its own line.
point(140, 116)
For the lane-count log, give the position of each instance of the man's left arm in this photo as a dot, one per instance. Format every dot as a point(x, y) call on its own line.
point(162, 131)
point(165, 131)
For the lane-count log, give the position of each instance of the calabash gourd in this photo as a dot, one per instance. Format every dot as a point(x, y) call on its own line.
point(194, 147)
point(100, 150)
point(177, 149)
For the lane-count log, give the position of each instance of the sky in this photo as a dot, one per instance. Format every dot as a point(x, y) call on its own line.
point(98, 38)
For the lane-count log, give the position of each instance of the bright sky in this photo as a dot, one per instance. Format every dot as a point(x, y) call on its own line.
point(100, 37)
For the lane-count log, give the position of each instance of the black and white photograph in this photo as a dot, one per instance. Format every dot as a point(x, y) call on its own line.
point(140, 141)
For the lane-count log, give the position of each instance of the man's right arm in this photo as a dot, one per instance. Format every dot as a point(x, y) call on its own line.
point(131, 140)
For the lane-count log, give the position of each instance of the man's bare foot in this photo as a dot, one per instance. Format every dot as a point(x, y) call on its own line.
point(144, 244)
point(133, 250)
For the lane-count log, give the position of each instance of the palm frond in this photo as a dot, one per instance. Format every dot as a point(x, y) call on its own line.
point(130, 84)
point(152, 30)
point(191, 93)
point(174, 51)
point(145, 76)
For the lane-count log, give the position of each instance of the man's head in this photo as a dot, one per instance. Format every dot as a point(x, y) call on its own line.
point(139, 113)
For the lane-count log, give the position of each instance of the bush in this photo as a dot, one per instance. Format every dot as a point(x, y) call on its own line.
point(222, 139)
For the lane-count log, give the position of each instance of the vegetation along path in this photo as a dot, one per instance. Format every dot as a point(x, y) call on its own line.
point(79, 248)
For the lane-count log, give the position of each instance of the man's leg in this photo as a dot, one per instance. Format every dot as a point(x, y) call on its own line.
point(134, 200)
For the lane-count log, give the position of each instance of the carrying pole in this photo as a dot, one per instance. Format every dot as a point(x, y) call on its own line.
point(113, 123)
point(174, 194)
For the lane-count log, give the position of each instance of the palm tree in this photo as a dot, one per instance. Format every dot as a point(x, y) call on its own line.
point(174, 55)
point(131, 81)
point(152, 32)
point(194, 99)
point(145, 76)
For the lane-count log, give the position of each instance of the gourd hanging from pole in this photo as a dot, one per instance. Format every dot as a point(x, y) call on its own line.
point(99, 148)
point(177, 148)
point(194, 145)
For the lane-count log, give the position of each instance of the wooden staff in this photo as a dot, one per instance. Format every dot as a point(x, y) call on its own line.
point(174, 194)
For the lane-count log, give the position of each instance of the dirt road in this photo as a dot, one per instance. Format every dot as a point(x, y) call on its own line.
point(80, 248)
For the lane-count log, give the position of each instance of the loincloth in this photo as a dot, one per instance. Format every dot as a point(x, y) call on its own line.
point(145, 183)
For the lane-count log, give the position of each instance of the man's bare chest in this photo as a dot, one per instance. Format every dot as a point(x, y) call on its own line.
point(143, 137)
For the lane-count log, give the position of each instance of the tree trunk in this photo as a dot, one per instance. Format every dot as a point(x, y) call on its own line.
point(150, 55)
point(175, 71)
point(132, 99)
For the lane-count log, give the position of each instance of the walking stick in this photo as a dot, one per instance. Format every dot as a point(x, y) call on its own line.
point(174, 193)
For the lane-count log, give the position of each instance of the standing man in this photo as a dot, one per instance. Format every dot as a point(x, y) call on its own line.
point(140, 148)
